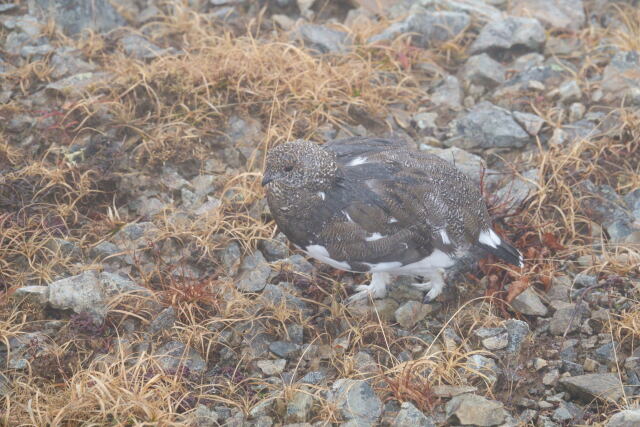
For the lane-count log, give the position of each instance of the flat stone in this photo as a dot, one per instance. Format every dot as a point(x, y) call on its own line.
point(486, 126)
point(508, 33)
point(449, 391)
point(530, 122)
point(565, 318)
point(626, 418)
point(410, 416)
point(471, 409)
point(174, 355)
point(484, 71)
point(299, 407)
point(448, 93)
point(165, 320)
point(82, 294)
point(470, 164)
point(254, 273)
point(283, 349)
point(323, 39)
point(589, 386)
point(411, 312)
point(272, 367)
point(356, 401)
point(140, 48)
point(565, 14)
point(621, 80)
point(38, 295)
point(428, 27)
point(529, 303)
point(77, 84)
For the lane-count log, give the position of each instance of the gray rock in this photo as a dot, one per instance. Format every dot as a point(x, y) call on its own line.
point(410, 416)
point(18, 351)
point(313, 377)
point(67, 61)
point(77, 84)
point(485, 366)
point(8, 7)
point(356, 401)
point(254, 273)
point(38, 295)
point(411, 312)
point(626, 418)
point(299, 406)
point(482, 10)
point(275, 249)
point(174, 355)
point(570, 92)
point(632, 199)
point(74, 16)
point(606, 354)
point(82, 294)
point(530, 122)
point(518, 332)
point(486, 126)
point(529, 303)
point(604, 206)
point(519, 189)
point(509, 33)
point(105, 251)
point(278, 295)
point(140, 48)
point(471, 409)
point(576, 112)
point(165, 320)
point(448, 93)
point(283, 349)
point(323, 39)
point(365, 364)
point(5, 386)
point(470, 164)
point(568, 317)
point(589, 386)
point(430, 27)
point(231, 257)
point(272, 367)
point(484, 71)
point(205, 417)
point(566, 14)
point(620, 79)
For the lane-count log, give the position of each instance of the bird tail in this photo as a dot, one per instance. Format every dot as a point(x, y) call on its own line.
point(493, 244)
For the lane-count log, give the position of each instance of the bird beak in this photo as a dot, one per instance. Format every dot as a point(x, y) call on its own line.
point(267, 178)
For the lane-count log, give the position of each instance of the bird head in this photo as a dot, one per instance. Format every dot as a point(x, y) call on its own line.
point(299, 166)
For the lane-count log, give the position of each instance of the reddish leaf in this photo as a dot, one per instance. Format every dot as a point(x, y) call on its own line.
point(551, 242)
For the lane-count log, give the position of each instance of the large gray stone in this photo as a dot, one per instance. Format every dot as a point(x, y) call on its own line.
point(486, 126)
point(174, 355)
point(74, 16)
point(566, 14)
point(254, 273)
point(484, 71)
point(82, 294)
point(410, 416)
point(356, 401)
point(430, 27)
point(587, 387)
point(626, 418)
point(471, 409)
point(621, 78)
point(511, 32)
point(411, 312)
point(323, 39)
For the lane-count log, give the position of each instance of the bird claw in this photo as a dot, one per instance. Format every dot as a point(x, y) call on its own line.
point(364, 292)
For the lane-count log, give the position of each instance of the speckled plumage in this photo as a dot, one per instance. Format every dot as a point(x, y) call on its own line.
point(375, 205)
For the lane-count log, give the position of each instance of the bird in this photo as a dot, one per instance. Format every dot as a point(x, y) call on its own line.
point(375, 205)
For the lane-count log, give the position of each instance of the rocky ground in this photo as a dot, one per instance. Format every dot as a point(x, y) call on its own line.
point(143, 282)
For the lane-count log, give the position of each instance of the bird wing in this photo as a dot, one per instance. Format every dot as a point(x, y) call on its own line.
point(394, 204)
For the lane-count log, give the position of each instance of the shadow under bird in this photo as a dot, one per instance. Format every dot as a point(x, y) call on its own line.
point(372, 205)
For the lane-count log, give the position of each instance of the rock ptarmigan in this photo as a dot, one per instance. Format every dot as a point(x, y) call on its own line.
point(372, 205)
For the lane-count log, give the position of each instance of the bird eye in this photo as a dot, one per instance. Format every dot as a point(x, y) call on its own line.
point(288, 168)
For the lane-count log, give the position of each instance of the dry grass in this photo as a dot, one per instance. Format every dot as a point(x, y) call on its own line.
point(175, 111)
